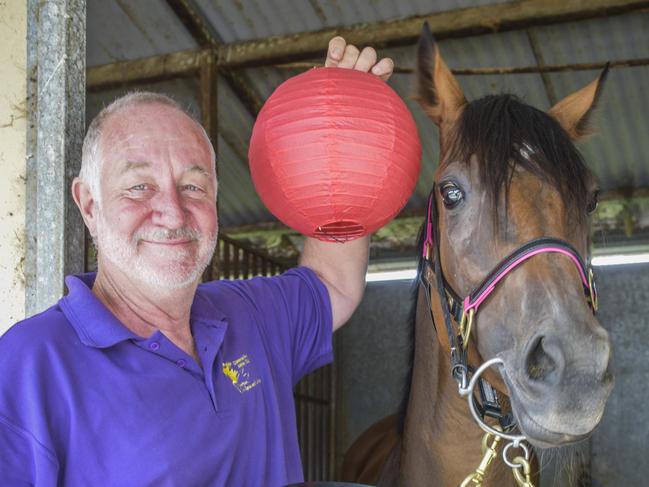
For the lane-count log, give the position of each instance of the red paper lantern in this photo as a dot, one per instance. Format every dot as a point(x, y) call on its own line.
point(334, 153)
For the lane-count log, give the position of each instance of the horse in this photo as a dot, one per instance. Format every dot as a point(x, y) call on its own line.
point(506, 343)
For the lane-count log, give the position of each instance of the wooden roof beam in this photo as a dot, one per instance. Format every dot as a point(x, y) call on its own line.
point(455, 23)
point(156, 68)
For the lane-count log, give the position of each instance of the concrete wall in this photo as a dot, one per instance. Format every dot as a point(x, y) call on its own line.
point(13, 52)
point(371, 354)
point(620, 446)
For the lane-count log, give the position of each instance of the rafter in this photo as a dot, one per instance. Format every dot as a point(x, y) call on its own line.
point(547, 68)
point(540, 62)
point(455, 23)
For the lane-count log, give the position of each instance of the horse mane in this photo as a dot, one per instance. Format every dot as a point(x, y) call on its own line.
point(503, 132)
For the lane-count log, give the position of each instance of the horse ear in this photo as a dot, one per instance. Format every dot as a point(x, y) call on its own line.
point(575, 110)
point(438, 92)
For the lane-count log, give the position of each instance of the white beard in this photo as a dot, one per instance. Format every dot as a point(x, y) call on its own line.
point(168, 271)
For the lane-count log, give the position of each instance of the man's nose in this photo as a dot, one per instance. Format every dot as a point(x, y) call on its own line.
point(168, 209)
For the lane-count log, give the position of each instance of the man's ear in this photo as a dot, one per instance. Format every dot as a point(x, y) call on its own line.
point(574, 112)
point(87, 204)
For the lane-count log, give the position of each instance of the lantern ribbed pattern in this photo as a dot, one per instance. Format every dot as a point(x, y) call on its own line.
point(334, 153)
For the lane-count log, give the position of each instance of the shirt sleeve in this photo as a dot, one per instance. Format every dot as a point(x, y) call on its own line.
point(295, 318)
point(23, 461)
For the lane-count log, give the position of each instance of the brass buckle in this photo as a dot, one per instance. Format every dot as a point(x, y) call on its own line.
point(594, 302)
point(466, 324)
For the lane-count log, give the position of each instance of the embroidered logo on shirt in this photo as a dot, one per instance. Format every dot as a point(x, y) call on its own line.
point(238, 372)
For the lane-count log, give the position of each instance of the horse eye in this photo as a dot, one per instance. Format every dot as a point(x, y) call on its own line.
point(451, 195)
point(592, 203)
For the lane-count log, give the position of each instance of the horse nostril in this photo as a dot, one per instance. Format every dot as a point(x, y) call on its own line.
point(544, 360)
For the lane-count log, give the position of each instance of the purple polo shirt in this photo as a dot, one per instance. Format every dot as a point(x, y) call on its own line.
point(85, 402)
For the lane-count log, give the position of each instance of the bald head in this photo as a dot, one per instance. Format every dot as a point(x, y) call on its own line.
point(93, 158)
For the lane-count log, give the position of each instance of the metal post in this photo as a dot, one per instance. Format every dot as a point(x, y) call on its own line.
point(209, 117)
point(57, 56)
point(209, 96)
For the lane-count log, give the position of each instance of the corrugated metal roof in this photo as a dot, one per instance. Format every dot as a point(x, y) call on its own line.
point(618, 154)
point(118, 30)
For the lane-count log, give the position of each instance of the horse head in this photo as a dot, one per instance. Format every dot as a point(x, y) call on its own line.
point(510, 174)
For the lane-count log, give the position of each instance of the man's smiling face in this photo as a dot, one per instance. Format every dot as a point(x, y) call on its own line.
point(157, 213)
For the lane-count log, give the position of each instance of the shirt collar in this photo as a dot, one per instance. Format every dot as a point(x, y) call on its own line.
point(93, 322)
point(98, 327)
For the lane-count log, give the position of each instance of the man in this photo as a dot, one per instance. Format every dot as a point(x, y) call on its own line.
point(139, 376)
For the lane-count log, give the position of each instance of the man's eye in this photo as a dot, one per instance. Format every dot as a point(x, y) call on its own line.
point(138, 187)
point(452, 195)
point(191, 187)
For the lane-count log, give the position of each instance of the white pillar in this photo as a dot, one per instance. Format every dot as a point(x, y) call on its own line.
point(13, 127)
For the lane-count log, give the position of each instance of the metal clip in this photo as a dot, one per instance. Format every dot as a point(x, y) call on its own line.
point(522, 474)
point(489, 452)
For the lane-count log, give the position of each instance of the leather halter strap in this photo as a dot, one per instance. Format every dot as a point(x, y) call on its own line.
point(516, 258)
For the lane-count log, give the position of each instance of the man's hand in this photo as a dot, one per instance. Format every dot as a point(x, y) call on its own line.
point(343, 55)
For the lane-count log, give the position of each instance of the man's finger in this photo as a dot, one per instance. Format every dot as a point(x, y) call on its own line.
point(383, 69)
point(335, 51)
point(366, 59)
point(349, 57)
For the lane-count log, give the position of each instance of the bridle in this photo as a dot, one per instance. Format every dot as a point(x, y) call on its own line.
point(460, 315)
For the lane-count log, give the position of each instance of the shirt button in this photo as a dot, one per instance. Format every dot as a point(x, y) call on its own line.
point(154, 346)
point(181, 362)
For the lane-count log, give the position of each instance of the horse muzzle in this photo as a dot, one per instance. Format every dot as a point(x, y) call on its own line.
point(559, 389)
